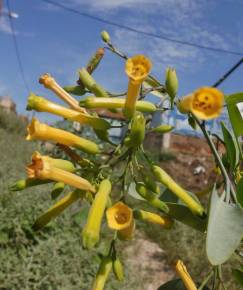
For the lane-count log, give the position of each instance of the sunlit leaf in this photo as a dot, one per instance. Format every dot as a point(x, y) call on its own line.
point(239, 192)
point(225, 229)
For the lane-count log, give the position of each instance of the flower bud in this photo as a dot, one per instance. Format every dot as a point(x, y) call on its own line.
point(116, 103)
point(185, 276)
point(167, 181)
point(91, 231)
point(89, 82)
point(163, 129)
point(57, 209)
point(118, 269)
point(137, 132)
point(25, 183)
point(102, 274)
point(105, 36)
point(151, 198)
point(146, 216)
point(171, 83)
point(95, 60)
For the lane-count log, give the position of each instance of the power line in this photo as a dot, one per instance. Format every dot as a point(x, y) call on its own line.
point(229, 72)
point(158, 36)
point(21, 69)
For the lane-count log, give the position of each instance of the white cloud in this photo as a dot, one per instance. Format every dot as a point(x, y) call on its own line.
point(5, 25)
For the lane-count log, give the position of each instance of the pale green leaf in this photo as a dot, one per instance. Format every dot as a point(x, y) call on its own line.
point(225, 229)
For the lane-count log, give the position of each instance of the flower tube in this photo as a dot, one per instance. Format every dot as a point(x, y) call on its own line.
point(57, 209)
point(91, 231)
point(137, 69)
point(167, 181)
point(154, 218)
point(102, 274)
point(116, 103)
point(205, 103)
point(120, 217)
point(40, 104)
point(43, 168)
point(185, 276)
point(49, 82)
point(41, 131)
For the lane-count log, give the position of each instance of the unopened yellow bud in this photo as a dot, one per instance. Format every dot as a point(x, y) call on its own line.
point(43, 167)
point(205, 103)
point(57, 209)
point(116, 103)
point(118, 269)
point(49, 82)
point(146, 216)
point(137, 69)
point(25, 183)
point(120, 217)
point(41, 131)
point(185, 276)
point(167, 181)
point(40, 104)
point(91, 231)
point(102, 274)
point(105, 36)
point(171, 83)
point(152, 198)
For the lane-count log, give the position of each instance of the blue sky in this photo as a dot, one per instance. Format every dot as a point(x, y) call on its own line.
point(59, 42)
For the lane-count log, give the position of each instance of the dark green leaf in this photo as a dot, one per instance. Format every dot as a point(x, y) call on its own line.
point(184, 215)
point(239, 192)
point(192, 122)
point(238, 275)
point(173, 285)
point(225, 229)
point(231, 147)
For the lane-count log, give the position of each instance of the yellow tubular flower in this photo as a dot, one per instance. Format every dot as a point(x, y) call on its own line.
point(205, 103)
point(167, 181)
point(185, 276)
point(43, 168)
point(49, 82)
point(102, 274)
point(120, 217)
point(40, 104)
point(137, 69)
point(91, 231)
point(146, 216)
point(57, 209)
point(41, 131)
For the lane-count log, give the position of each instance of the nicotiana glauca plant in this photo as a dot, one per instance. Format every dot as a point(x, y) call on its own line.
point(95, 180)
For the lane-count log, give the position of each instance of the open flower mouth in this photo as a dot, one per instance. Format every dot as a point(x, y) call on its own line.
point(119, 216)
point(138, 67)
point(206, 103)
point(37, 165)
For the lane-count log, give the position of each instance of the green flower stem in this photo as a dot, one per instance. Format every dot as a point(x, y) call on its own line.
point(217, 157)
point(205, 281)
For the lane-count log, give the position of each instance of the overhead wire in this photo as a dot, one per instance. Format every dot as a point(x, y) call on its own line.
point(154, 35)
point(13, 33)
